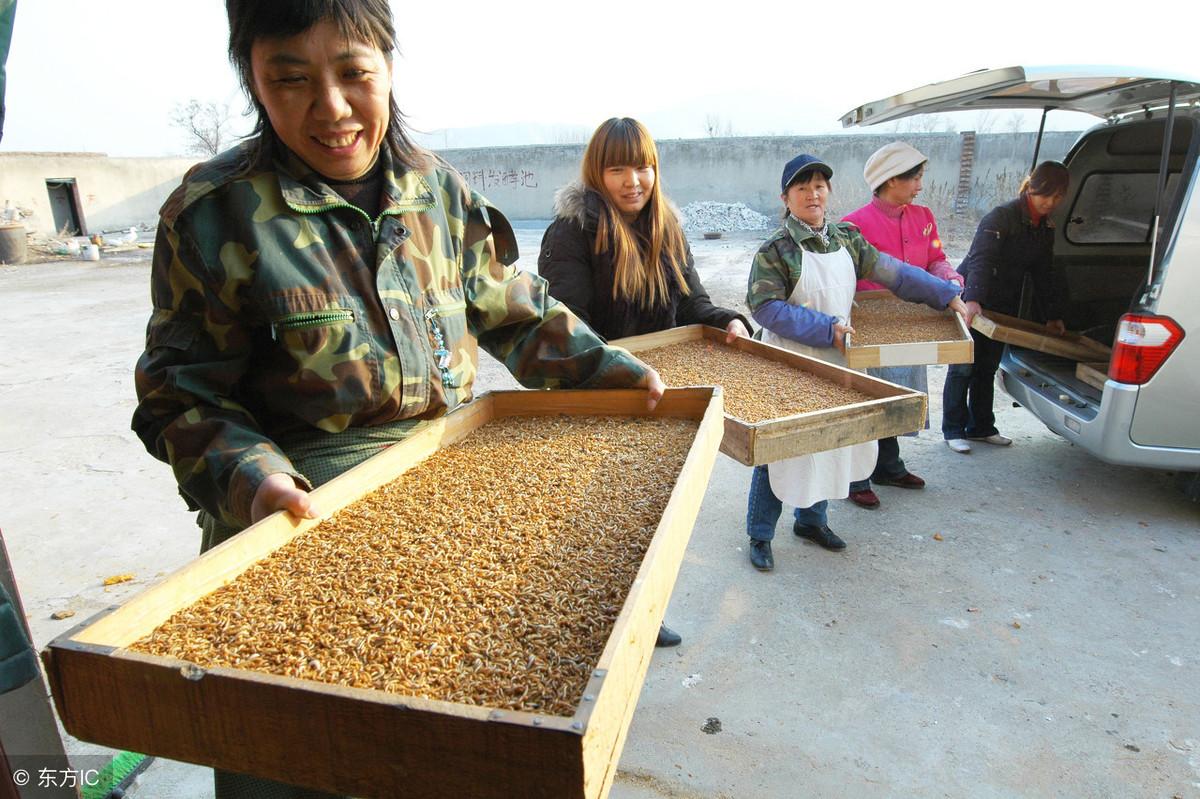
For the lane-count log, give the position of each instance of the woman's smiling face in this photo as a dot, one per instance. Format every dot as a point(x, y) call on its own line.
point(327, 98)
point(629, 188)
point(805, 199)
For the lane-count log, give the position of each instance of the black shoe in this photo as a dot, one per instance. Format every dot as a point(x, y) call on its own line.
point(822, 536)
point(760, 555)
point(667, 637)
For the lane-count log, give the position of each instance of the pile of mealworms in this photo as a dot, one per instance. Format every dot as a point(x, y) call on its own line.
point(756, 389)
point(887, 320)
point(489, 574)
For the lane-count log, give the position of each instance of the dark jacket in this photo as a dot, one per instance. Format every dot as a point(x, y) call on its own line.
point(1007, 246)
point(583, 280)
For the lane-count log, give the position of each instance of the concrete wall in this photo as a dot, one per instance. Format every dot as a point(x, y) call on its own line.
point(114, 192)
point(521, 180)
point(118, 192)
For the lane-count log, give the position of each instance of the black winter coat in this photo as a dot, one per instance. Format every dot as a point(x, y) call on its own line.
point(583, 280)
point(1006, 247)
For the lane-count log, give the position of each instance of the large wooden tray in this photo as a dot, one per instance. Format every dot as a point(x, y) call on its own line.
point(369, 743)
point(1023, 333)
point(960, 349)
point(895, 410)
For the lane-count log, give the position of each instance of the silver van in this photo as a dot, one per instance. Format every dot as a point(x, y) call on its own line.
point(1127, 245)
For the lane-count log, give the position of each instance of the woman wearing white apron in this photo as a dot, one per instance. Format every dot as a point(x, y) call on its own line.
point(800, 290)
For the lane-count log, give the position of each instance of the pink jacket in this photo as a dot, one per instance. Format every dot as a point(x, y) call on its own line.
point(907, 232)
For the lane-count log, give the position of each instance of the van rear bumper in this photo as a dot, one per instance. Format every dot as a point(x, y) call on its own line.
point(1103, 431)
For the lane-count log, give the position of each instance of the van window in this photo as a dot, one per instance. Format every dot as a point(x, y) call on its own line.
point(1116, 207)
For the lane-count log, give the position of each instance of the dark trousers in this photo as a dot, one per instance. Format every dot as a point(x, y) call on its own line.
point(764, 508)
point(970, 390)
point(888, 465)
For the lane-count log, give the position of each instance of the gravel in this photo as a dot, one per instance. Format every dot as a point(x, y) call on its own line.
point(705, 217)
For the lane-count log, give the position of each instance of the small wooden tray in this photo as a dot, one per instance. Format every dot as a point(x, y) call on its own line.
point(1023, 333)
point(365, 742)
point(895, 410)
point(958, 350)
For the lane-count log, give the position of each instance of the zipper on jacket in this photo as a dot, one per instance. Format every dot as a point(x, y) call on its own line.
point(374, 223)
point(310, 319)
point(440, 352)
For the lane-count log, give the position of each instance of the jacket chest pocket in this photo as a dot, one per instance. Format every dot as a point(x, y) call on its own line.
point(323, 342)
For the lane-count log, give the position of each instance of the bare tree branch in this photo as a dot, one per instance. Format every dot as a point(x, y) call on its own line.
point(206, 125)
point(716, 126)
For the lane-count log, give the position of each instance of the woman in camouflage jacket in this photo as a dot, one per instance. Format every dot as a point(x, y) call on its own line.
point(293, 324)
point(319, 292)
point(801, 289)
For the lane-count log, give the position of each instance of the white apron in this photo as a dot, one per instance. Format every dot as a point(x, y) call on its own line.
point(826, 284)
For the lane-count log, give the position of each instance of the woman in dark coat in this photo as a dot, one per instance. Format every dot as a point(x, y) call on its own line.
point(1013, 240)
point(616, 254)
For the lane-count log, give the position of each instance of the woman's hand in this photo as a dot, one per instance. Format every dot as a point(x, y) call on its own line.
point(280, 492)
point(1056, 327)
point(839, 336)
point(653, 384)
point(967, 310)
point(734, 329)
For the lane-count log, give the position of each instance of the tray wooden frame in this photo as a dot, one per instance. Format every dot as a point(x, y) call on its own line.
point(1095, 374)
point(370, 743)
point(894, 410)
point(1031, 335)
point(914, 353)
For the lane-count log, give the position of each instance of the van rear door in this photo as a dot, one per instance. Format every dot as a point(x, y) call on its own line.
point(1100, 91)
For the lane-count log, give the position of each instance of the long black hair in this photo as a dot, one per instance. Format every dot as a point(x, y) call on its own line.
point(358, 20)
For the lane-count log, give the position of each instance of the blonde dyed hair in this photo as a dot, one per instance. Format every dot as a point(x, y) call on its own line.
point(639, 276)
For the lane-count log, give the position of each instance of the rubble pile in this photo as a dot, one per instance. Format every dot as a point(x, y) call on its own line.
point(705, 217)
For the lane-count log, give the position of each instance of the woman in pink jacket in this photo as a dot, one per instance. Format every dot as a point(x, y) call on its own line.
point(909, 232)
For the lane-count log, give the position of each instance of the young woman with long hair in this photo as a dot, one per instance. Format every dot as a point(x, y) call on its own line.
point(616, 254)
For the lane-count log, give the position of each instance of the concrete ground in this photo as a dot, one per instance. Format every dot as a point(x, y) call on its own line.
point(1026, 626)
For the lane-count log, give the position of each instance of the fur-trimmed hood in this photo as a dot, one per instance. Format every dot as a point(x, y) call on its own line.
point(571, 202)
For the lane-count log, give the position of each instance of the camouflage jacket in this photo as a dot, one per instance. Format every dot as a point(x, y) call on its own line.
point(280, 310)
point(776, 267)
point(18, 661)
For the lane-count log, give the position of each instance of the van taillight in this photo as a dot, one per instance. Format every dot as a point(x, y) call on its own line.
point(1143, 343)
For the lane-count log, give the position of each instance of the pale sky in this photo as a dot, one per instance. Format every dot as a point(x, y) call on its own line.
point(104, 75)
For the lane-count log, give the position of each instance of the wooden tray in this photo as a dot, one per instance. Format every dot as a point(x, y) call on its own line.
point(1023, 333)
point(370, 743)
point(894, 411)
point(961, 349)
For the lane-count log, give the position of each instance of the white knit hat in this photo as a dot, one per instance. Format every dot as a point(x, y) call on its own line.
point(889, 161)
